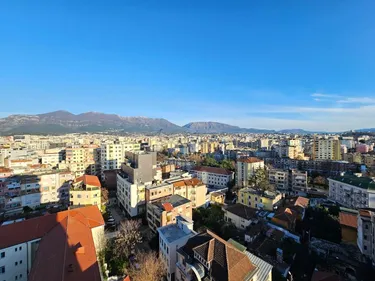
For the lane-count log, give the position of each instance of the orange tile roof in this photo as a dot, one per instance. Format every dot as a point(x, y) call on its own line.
point(227, 262)
point(250, 160)
point(348, 219)
point(89, 180)
point(5, 170)
point(302, 202)
point(364, 213)
point(167, 206)
point(73, 257)
point(190, 182)
point(15, 233)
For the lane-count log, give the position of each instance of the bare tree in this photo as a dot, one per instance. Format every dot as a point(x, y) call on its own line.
point(127, 238)
point(148, 267)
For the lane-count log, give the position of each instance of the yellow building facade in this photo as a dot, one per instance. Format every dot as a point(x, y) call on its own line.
point(259, 200)
point(85, 191)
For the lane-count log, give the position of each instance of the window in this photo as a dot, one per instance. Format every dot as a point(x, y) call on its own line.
point(21, 262)
point(16, 263)
point(365, 247)
point(2, 269)
point(16, 277)
point(365, 237)
point(20, 248)
point(15, 249)
point(2, 255)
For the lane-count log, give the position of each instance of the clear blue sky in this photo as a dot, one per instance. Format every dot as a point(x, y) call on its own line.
point(264, 64)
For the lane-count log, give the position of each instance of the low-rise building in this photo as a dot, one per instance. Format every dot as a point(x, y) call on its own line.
point(164, 211)
point(171, 238)
point(206, 256)
point(265, 200)
point(62, 244)
point(240, 215)
point(286, 218)
point(212, 176)
point(217, 197)
point(85, 191)
point(353, 192)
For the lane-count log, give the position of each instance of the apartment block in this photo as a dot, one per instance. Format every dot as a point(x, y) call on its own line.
point(171, 238)
point(266, 200)
point(35, 189)
point(138, 171)
point(212, 176)
point(352, 191)
point(82, 160)
point(326, 149)
point(86, 191)
point(366, 233)
point(113, 154)
point(70, 238)
point(279, 178)
point(245, 168)
point(164, 211)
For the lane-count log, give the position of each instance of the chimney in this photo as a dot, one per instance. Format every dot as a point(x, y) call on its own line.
point(80, 250)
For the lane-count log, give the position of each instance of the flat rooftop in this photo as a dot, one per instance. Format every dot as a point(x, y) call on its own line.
point(173, 233)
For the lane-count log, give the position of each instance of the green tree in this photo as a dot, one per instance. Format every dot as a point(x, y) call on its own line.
point(227, 164)
point(259, 180)
point(210, 161)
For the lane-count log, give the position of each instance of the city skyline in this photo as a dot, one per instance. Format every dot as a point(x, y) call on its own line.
point(251, 65)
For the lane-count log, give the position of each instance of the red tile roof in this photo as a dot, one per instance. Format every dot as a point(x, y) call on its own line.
point(167, 206)
point(15, 233)
point(89, 180)
point(67, 252)
point(212, 170)
point(348, 219)
point(190, 182)
point(250, 160)
point(302, 202)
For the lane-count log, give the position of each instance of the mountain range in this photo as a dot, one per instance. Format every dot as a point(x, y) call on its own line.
point(60, 122)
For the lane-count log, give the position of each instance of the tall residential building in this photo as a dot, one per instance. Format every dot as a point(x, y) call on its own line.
point(86, 191)
point(326, 149)
point(35, 189)
point(82, 160)
point(245, 168)
point(366, 233)
point(171, 238)
point(61, 246)
point(138, 171)
point(113, 154)
point(351, 191)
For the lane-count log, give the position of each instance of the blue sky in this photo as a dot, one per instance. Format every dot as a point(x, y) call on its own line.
point(261, 64)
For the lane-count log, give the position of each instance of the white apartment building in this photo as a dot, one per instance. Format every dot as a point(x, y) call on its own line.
point(130, 196)
point(211, 176)
point(171, 238)
point(351, 191)
point(113, 154)
point(279, 178)
point(245, 168)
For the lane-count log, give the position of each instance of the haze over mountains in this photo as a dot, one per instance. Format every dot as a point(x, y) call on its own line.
point(60, 122)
